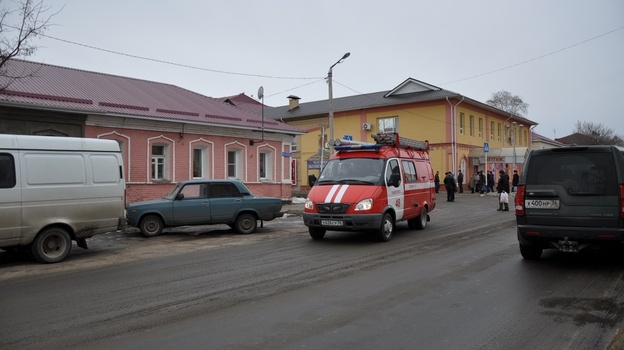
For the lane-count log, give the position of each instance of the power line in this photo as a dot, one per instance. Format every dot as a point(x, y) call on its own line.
point(179, 64)
point(535, 58)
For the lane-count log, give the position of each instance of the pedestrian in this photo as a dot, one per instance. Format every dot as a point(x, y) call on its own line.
point(474, 180)
point(514, 181)
point(311, 180)
point(490, 181)
point(503, 186)
point(449, 183)
point(460, 181)
point(437, 182)
point(481, 184)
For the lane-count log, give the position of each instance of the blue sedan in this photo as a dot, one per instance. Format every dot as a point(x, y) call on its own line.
point(204, 202)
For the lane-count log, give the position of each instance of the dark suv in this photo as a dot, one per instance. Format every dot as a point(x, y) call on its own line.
point(570, 198)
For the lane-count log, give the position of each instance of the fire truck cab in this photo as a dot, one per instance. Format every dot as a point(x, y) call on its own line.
point(371, 187)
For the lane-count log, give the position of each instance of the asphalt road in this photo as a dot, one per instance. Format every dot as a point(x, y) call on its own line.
point(458, 284)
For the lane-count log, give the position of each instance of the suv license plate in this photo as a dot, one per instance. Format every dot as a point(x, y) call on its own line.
point(331, 222)
point(541, 204)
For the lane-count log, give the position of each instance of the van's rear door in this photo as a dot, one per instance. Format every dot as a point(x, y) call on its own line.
point(10, 199)
point(576, 187)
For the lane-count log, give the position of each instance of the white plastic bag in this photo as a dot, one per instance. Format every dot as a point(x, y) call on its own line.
point(504, 197)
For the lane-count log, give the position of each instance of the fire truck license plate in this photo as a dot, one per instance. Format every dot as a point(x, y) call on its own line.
point(331, 222)
point(542, 204)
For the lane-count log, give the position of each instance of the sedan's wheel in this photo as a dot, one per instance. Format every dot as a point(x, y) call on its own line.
point(316, 233)
point(422, 219)
point(51, 245)
point(151, 226)
point(387, 227)
point(246, 223)
point(530, 251)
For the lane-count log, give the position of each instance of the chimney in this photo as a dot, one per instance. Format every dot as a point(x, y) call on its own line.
point(293, 102)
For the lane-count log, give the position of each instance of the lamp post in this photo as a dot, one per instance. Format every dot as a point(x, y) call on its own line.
point(331, 109)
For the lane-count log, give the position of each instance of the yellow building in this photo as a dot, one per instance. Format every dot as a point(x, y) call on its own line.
point(456, 127)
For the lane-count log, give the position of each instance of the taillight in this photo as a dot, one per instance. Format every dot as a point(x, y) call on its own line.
point(520, 200)
point(622, 201)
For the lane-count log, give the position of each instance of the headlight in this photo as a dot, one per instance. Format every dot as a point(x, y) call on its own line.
point(308, 204)
point(366, 204)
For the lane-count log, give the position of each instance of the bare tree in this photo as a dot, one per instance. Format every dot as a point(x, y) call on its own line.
point(20, 22)
point(507, 102)
point(598, 134)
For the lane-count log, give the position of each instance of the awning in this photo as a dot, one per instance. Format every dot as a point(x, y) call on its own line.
point(500, 155)
point(314, 162)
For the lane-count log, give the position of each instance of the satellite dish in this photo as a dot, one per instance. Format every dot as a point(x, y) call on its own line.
point(260, 93)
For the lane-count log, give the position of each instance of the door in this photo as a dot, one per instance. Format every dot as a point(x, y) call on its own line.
point(395, 194)
point(194, 207)
point(413, 190)
point(225, 201)
point(10, 199)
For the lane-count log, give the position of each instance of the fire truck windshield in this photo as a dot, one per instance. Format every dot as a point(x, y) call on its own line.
point(353, 171)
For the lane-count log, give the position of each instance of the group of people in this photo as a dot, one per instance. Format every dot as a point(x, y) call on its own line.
point(479, 184)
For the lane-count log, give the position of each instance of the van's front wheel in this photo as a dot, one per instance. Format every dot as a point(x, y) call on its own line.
point(387, 227)
point(316, 233)
point(51, 245)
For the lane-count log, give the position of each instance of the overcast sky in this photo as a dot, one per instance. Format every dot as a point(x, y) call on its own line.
point(564, 58)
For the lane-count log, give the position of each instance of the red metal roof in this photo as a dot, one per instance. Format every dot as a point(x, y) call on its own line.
point(74, 90)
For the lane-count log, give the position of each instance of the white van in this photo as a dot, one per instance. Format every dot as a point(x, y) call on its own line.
point(57, 189)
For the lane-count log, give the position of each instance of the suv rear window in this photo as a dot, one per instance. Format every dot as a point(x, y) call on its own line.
point(580, 173)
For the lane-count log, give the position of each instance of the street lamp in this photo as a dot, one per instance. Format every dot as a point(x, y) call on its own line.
point(331, 109)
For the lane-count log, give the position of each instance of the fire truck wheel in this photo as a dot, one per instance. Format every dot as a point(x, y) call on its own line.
point(387, 227)
point(316, 233)
point(421, 222)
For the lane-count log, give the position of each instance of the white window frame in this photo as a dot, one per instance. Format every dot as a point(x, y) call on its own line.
point(480, 128)
point(159, 160)
point(462, 122)
point(388, 124)
point(266, 154)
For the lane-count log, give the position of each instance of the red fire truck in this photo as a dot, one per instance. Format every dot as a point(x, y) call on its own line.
point(371, 187)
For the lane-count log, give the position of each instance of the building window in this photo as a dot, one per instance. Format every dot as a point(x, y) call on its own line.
point(499, 132)
point(480, 128)
point(492, 131)
point(234, 167)
point(462, 123)
point(472, 125)
point(200, 163)
point(265, 166)
point(159, 162)
point(388, 124)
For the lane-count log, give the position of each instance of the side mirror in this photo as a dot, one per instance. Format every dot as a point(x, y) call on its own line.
point(180, 196)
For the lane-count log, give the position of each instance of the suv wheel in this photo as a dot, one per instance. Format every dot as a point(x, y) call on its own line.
point(531, 251)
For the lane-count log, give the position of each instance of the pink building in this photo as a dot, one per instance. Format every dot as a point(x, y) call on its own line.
point(167, 134)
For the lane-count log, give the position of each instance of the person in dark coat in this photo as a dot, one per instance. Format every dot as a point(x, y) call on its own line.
point(490, 181)
point(481, 183)
point(514, 181)
point(503, 185)
point(311, 180)
point(437, 182)
point(460, 181)
point(449, 183)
